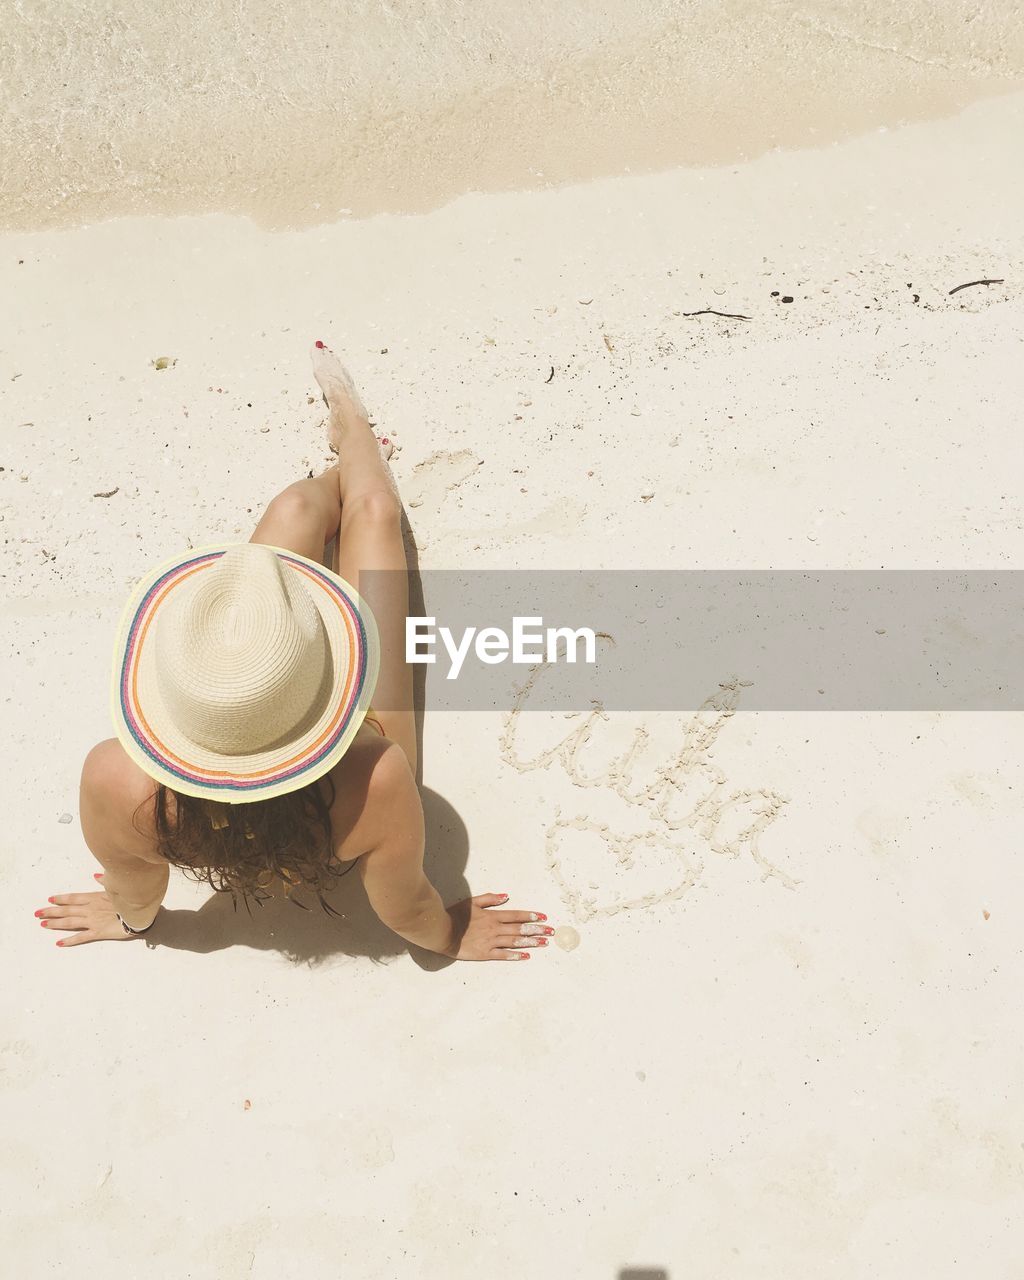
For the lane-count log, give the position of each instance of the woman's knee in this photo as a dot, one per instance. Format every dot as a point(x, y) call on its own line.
point(295, 520)
point(379, 507)
point(296, 506)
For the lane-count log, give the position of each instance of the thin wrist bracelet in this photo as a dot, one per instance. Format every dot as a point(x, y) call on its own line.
point(127, 927)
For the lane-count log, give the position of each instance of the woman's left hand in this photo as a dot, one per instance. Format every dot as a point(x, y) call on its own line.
point(89, 916)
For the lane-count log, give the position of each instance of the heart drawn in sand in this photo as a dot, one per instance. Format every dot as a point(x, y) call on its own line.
point(600, 872)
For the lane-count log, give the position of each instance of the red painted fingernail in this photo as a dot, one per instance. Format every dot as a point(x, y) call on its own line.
point(542, 942)
point(37, 914)
point(43, 923)
point(541, 916)
point(549, 931)
point(319, 344)
point(60, 942)
point(49, 899)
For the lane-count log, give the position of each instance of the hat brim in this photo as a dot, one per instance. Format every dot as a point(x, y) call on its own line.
point(149, 735)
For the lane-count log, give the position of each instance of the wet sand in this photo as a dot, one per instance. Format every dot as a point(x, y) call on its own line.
point(298, 114)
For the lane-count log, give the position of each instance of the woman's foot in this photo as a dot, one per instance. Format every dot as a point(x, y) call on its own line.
point(342, 398)
point(336, 383)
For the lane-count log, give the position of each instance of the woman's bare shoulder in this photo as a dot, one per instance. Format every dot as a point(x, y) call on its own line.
point(118, 786)
point(108, 768)
point(374, 789)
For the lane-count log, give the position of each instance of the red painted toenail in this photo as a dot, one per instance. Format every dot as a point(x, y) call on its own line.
point(320, 344)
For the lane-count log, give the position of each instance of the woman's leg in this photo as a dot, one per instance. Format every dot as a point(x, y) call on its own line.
point(304, 516)
point(357, 500)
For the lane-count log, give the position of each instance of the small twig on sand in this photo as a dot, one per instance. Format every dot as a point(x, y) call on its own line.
point(109, 493)
point(970, 285)
point(551, 374)
point(710, 311)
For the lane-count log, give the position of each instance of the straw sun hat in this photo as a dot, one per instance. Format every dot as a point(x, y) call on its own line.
point(241, 671)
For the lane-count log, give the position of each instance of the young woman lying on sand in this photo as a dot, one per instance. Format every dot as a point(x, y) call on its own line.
point(247, 748)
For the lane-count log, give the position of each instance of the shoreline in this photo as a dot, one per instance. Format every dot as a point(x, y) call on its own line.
point(293, 136)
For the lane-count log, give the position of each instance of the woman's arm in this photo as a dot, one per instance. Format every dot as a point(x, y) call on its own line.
point(135, 883)
point(392, 871)
point(406, 901)
point(134, 878)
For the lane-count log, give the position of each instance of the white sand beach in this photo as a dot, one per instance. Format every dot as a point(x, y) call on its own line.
point(793, 1051)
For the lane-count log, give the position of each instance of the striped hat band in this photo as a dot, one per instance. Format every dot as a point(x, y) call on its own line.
point(242, 671)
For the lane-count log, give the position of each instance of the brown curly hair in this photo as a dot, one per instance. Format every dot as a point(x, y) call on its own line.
point(241, 848)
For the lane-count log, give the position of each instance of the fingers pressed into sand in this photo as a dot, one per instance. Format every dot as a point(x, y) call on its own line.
point(73, 939)
point(71, 899)
point(65, 922)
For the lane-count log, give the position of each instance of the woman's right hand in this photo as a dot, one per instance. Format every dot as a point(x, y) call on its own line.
point(481, 933)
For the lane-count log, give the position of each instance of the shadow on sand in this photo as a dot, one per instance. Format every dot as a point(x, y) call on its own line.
point(311, 936)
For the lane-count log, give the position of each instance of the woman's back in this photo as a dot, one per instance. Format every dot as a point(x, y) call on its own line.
point(357, 812)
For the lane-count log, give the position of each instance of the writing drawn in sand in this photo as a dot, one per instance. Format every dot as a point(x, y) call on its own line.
point(686, 801)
